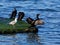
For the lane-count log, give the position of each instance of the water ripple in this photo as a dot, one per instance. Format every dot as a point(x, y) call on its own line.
point(49, 10)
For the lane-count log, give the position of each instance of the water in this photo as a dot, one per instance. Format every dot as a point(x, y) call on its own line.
point(49, 33)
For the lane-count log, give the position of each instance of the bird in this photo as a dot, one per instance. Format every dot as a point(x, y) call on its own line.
point(13, 15)
point(35, 22)
point(21, 15)
point(13, 22)
point(30, 21)
point(38, 21)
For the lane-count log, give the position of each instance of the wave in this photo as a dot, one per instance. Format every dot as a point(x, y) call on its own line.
point(50, 10)
point(17, 0)
point(16, 7)
point(1, 5)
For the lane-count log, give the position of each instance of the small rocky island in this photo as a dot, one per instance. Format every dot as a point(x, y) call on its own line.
point(17, 25)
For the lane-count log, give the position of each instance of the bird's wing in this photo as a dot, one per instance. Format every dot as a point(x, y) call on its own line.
point(38, 22)
point(12, 22)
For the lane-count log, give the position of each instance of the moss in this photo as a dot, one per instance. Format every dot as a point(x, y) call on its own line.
point(20, 26)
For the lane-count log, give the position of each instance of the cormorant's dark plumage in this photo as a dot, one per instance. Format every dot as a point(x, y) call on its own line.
point(20, 15)
point(35, 22)
point(38, 21)
point(13, 15)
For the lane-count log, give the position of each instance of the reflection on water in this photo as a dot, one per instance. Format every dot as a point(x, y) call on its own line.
point(33, 38)
point(23, 39)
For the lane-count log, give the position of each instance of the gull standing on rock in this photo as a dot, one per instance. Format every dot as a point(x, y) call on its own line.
point(13, 22)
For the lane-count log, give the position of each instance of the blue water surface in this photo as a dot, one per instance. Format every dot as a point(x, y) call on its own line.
point(48, 34)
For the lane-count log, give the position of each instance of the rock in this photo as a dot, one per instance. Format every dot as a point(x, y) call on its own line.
point(32, 29)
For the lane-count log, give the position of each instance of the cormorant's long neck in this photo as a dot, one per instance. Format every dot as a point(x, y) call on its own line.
point(37, 16)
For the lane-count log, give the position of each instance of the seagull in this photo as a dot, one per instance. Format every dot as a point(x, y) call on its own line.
point(13, 22)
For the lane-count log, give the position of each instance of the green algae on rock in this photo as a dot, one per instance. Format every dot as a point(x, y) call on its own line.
point(20, 26)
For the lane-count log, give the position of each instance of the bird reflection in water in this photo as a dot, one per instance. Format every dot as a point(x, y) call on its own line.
point(33, 38)
point(14, 39)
